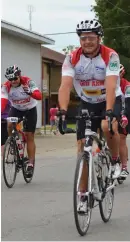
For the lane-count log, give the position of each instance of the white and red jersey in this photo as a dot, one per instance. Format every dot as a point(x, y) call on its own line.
point(17, 96)
point(89, 74)
point(125, 87)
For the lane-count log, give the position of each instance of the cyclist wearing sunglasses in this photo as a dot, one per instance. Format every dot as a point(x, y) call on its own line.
point(23, 94)
point(93, 69)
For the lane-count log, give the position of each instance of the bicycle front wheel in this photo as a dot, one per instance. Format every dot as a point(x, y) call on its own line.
point(82, 220)
point(10, 157)
point(106, 205)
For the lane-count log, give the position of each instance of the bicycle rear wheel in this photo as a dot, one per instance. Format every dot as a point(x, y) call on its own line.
point(10, 159)
point(82, 221)
point(106, 205)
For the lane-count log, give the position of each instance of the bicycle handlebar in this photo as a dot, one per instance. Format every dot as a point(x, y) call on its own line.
point(86, 116)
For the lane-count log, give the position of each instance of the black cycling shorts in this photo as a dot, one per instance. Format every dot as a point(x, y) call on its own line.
point(99, 110)
point(31, 116)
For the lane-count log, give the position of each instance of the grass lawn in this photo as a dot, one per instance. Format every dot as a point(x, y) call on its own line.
point(72, 126)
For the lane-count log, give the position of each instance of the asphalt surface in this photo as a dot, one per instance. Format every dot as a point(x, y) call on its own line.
point(43, 210)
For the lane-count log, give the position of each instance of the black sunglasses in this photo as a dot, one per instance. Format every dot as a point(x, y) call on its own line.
point(13, 79)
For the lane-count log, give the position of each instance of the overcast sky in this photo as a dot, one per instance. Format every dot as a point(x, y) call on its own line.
point(49, 16)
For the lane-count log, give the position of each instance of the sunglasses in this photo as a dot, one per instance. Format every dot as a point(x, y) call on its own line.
point(90, 38)
point(13, 79)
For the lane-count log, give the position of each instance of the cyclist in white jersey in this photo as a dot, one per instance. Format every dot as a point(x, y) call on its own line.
point(23, 94)
point(93, 69)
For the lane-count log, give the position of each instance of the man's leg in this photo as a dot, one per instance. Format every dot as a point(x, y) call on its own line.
point(29, 129)
point(31, 147)
point(123, 155)
point(113, 141)
point(83, 186)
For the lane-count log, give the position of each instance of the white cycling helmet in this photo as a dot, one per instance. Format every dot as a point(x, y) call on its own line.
point(89, 26)
point(12, 72)
point(122, 69)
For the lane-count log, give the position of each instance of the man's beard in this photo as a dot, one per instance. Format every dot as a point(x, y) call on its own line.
point(95, 50)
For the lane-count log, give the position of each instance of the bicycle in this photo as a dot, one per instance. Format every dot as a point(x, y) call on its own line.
point(15, 146)
point(100, 181)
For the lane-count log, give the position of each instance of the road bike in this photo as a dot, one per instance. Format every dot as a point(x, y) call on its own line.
point(100, 189)
point(15, 155)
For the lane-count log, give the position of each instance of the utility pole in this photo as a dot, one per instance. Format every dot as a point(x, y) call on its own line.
point(30, 11)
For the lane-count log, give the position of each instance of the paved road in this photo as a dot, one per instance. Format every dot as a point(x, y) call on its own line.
point(43, 210)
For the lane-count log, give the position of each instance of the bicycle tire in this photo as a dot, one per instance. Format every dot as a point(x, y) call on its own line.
point(103, 216)
point(76, 214)
point(10, 139)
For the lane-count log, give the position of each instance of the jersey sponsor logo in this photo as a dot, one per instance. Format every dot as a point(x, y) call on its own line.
point(27, 100)
point(101, 100)
point(97, 92)
point(93, 83)
point(99, 68)
point(114, 66)
point(127, 92)
point(65, 67)
point(80, 70)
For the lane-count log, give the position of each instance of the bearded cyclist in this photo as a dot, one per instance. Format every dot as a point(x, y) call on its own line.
point(93, 69)
point(125, 87)
point(22, 92)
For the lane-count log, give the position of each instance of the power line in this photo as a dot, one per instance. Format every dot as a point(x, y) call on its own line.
point(118, 8)
point(123, 27)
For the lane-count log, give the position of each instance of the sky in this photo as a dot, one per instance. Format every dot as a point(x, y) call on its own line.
point(50, 16)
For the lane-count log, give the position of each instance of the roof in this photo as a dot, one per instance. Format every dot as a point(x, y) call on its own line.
point(52, 55)
point(15, 30)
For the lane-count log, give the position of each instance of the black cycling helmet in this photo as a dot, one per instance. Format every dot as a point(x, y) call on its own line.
point(12, 73)
point(88, 26)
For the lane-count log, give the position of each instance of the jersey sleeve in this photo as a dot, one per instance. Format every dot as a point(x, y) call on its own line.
point(35, 92)
point(67, 68)
point(33, 86)
point(4, 97)
point(113, 67)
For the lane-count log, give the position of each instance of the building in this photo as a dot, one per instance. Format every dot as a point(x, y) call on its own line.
point(23, 47)
point(51, 75)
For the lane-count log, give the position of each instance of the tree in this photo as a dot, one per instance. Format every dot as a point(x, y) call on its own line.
point(115, 18)
point(69, 49)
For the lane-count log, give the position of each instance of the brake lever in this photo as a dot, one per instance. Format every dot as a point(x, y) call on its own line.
point(60, 126)
point(110, 126)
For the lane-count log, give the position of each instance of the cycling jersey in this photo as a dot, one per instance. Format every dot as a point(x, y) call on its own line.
point(89, 73)
point(17, 96)
point(125, 87)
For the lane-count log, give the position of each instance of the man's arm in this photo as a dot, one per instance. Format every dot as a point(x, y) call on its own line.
point(112, 75)
point(35, 92)
point(4, 98)
point(68, 74)
point(111, 82)
point(64, 92)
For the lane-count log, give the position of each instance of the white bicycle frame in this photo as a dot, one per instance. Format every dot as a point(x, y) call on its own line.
point(92, 170)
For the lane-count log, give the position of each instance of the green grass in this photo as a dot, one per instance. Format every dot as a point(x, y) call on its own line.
point(72, 126)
